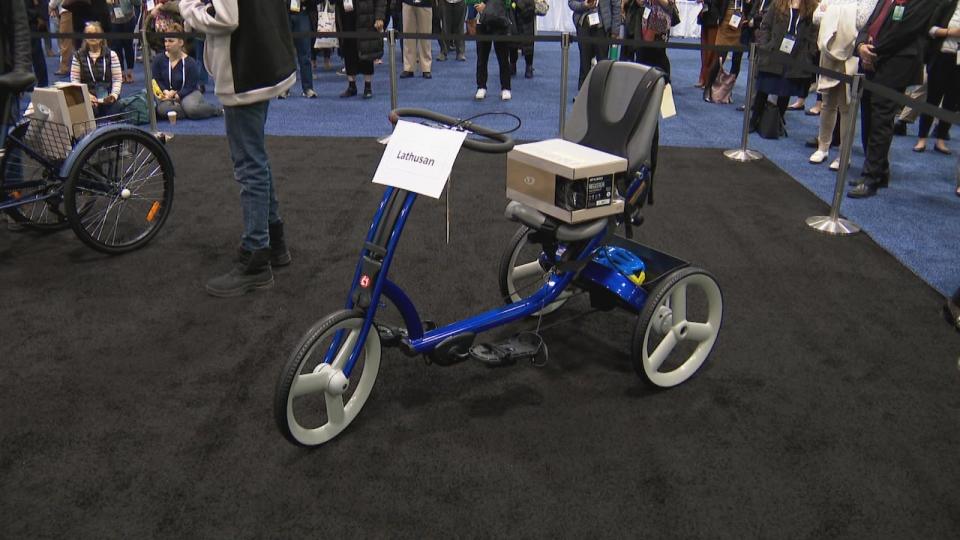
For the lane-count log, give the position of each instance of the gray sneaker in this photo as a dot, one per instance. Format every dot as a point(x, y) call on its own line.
point(309, 93)
point(251, 271)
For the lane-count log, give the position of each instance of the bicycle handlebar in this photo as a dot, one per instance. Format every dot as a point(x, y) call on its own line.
point(504, 143)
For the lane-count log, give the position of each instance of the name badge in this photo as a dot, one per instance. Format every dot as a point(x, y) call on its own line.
point(117, 13)
point(593, 19)
point(787, 44)
point(348, 5)
point(898, 13)
point(646, 13)
point(735, 20)
point(150, 5)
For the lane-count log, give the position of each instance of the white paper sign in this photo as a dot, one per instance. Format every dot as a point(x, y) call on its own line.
point(419, 158)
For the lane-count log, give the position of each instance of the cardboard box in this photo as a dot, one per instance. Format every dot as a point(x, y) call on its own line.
point(565, 180)
point(70, 106)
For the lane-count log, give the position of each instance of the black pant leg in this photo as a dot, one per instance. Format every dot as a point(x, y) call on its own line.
point(502, 50)
point(483, 56)
point(882, 111)
point(937, 80)
point(951, 100)
point(39, 59)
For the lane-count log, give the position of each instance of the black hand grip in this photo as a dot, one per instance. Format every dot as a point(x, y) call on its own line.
point(503, 142)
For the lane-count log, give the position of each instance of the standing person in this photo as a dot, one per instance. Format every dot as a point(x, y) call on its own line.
point(646, 28)
point(729, 33)
point(417, 19)
point(943, 75)
point(65, 18)
point(250, 53)
point(14, 52)
point(359, 54)
point(300, 22)
point(84, 12)
point(453, 15)
point(493, 20)
point(709, 21)
point(525, 15)
point(37, 19)
point(787, 25)
point(594, 19)
point(96, 66)
point(123, 18)
point(837, 20)
point(890, 46)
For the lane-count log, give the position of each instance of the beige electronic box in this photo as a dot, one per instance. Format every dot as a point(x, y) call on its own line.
point(565, 180)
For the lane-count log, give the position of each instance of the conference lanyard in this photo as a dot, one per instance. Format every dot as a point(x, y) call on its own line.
point(94, 75)
point(792, 27)
point(183, 64)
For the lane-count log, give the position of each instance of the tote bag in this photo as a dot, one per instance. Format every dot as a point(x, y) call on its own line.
point(326, 22)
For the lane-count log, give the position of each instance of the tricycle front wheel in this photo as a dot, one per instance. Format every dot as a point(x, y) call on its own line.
point(314, 402)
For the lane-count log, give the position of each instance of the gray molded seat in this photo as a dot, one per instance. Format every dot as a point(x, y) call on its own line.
point(612, 93)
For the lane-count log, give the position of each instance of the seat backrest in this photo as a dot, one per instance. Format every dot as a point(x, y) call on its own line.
point(617, 111)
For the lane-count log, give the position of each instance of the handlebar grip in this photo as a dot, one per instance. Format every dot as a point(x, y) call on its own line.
point(504, 143)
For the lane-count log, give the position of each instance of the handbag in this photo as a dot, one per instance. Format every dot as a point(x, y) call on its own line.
point(542, 7)
point(658, 22)
point(326, 22)
point(771, 123)
point(721, 91)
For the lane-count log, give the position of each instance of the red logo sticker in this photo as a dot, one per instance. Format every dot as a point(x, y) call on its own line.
point(365, 281)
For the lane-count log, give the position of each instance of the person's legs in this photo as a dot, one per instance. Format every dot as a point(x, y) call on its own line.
point(828, 115)
point(483, 58)
point(410, 53)
point(951, 102)
point(251, 169)
point(300, 22)
point(937, 80)
point(351, 62)
point(456, 14)
point(877, 166)
point(197, 108)
point(708, 35)
point(502, 50)
point(424, 18)
point(66, 45)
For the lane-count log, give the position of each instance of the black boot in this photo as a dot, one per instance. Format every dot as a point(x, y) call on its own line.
point(367, 91)
point(251, 271)
point(279, 254)
point(350, 91)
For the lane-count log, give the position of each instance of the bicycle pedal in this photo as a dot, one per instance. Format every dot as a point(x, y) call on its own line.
point(506, 353)
point(390, 336)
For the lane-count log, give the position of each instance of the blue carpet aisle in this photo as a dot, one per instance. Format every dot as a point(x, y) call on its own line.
point(915, 219)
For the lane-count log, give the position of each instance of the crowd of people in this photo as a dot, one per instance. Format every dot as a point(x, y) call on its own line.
point(899, 44)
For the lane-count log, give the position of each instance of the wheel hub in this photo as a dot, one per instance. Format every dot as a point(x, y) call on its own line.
point(336, 382)
point(663, 320)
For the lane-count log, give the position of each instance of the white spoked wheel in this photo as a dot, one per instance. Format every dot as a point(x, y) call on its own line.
point(314, 402)
point(677, 328)
point(521, 272)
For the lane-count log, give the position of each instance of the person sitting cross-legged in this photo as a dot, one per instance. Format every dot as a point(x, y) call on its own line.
point(177, 76)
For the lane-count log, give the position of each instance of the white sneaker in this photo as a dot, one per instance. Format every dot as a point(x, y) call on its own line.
point(481, 93)
point(835, 166)
point(505, 95)
point(818, 157)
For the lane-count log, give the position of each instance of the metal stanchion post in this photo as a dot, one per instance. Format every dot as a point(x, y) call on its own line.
point(834, 224)
point(564, 74)
point(392, 47)
point(743, 154)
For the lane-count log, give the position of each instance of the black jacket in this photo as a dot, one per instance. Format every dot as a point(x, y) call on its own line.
point(900, 45)
point(14, 38)
point(769, 37)
point(365, 12)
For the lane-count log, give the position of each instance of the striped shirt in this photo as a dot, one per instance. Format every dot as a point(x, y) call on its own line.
point(92, 70)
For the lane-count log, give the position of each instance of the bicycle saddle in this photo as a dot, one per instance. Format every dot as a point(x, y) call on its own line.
point(16, 81)
point(535, 219)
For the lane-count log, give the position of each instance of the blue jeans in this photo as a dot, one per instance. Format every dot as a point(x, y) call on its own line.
point(300, 22)
point(251, 168)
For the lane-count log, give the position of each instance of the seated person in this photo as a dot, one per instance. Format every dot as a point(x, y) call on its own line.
point(177, 77)
point(99, 68)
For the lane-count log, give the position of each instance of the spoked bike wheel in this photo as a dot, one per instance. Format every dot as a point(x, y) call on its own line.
point(523, 270)
point(24, 177)
point(119, 191)
point(677, 328)
point(314, 402)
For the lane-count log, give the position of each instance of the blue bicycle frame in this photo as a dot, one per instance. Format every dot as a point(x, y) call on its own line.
point(370, 288)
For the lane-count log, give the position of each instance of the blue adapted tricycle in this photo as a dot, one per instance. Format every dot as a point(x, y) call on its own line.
point(331, 373)
point(108, 180)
